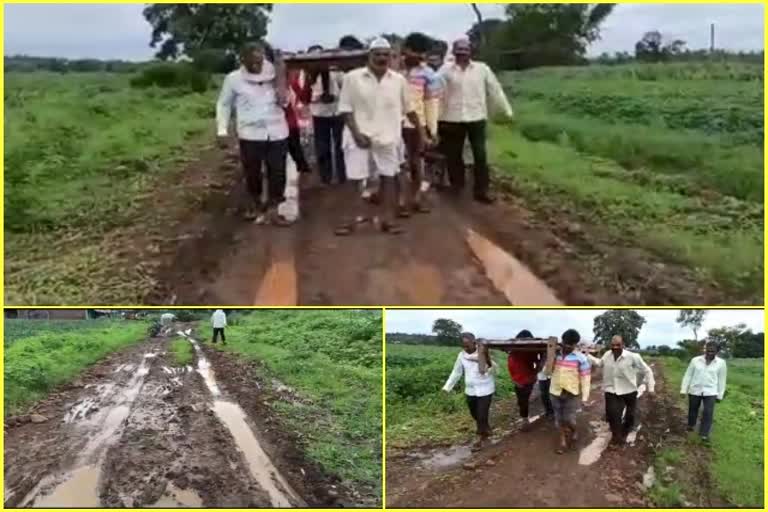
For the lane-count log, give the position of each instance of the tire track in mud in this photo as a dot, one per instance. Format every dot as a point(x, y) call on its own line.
point(142, 433)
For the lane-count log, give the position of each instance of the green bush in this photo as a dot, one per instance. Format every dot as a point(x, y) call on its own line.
point(176, 76)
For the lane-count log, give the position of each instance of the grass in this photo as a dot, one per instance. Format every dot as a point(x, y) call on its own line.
point(736, 444)
point(51, 355)
point(668, 159)
point(418, 411)
point(182, 352)
point(82, 154)
point(332, 359)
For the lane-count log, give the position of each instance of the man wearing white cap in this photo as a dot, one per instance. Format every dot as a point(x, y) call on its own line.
point(468, 88)
point(373, 102)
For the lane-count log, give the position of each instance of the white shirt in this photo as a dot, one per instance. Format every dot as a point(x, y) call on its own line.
point(320, 109)
point(167, 318)
point(219, 319)
point(254, 100)
point(475, 384)
point(543, 376)
point(378, 106)
point(468, 91)
point(624, 375)
point(702, 379)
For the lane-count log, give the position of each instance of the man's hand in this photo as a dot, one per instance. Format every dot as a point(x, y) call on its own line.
point(222, 141)
point(327, 97)
point(362, 141)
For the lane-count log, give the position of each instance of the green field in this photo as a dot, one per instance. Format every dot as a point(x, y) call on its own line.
point(333, 360)
point(81, 153)
point(43, 355)
point(418, 411)
point(665, 157)
point(736, 445)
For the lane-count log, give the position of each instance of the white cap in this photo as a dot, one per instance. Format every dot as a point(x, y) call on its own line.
point(380, 43)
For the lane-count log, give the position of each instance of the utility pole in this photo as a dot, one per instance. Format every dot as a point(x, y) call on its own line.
point(712, 38)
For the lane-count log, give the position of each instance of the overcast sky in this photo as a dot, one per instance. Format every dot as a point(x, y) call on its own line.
point(119, 30)
point(660, 327)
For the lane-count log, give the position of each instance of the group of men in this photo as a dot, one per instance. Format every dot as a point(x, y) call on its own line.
point(369, 124)
point(564, 384)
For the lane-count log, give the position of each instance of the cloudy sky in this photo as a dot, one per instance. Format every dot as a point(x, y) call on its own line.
point(119, 30)
point(660, 327)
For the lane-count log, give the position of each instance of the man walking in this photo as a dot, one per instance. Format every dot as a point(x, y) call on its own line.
point(623, 373)
point(479, 385)
point(469, 87)
point(523, 367)
point(219, 322)
point(424, 88)
point(262, 130)
point(704, 383)
point(374, 102)
point(571, 379)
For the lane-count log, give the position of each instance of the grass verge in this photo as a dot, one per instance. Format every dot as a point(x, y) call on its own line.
point(182, 352)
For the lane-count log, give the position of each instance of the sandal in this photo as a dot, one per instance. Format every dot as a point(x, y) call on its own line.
point(345, 229)
point(391, 228)
point(403, 212)
point(421, 208)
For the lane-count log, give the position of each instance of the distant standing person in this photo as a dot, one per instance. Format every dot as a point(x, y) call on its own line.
point(478, 387)
point(262, 129)
point(219, 322)
point(623, 373)
point(469, 87)
point(373, 101)
point(571, 380)
point(704, 383)
point(523, 367)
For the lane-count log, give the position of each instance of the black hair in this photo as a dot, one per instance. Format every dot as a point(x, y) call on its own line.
point(468, 335)
point(712, 344)
point(251, 46)
point(315, 47)
point(525, 333)
point(350, 42)
point(571, 337)
point(417, 42)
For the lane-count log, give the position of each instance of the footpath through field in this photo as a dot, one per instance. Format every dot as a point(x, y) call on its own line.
point(137, 431)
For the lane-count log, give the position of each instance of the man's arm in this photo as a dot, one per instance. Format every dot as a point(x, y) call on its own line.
point(432, 94)
point(410, 113)
point(687, 379)
point(721, 375)
point(650, 382)
point(585, 378)
point(495, 92)
point(458, 371)
point(594, 361)
point(224, 107)
point(346, 111)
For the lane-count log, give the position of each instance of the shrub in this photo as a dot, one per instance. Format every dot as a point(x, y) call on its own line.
point(176, 76)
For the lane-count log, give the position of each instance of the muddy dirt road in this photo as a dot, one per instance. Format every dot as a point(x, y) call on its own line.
point(462, 253)
point(137, 431)
point(521, 469)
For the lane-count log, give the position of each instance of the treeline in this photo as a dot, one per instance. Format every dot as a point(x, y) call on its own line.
point(28, 64)
point(732, 341)
point(416, 339)
point(619, 58)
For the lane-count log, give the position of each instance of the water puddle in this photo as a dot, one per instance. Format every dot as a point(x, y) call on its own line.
point(444, 458)
point(592, 452)
point(509, 275)
point(178, 498)
point(234, 419)
point(279, 285)
point(79, 489)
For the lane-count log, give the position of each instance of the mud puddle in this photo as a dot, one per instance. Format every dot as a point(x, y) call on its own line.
point(232, 416)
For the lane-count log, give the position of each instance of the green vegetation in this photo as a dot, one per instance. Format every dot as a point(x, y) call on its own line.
point(182, 352)
point(52, 354)
point(332, 359)
point(82, 153)
point(418, 411)
point(664, 157)
point(736, 446)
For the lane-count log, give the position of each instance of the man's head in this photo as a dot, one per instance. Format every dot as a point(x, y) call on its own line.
point(252, 56)
point(462, 51)
point(570, 339)
point(435, 60)
point(415, 48)
point(617, 345)
point(468, 342)
point(380, 55)
point(710, 350)
point(350, 43)
point(524, 335)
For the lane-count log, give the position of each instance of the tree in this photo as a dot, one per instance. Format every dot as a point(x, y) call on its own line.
point(651, 47)
point(447, 331)
point(749, 344)
point(692, 318)
point(188, 28)
point(623, 322)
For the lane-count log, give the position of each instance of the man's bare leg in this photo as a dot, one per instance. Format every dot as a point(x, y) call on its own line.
point(389, 204)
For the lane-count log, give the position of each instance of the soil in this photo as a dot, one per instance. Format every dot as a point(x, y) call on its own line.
point(462, 253)
point(136, 431)
point(521, 469)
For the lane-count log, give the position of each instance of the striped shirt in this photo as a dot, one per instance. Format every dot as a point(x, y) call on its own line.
point(254, 100)
point(424, 86)
point(572, 374)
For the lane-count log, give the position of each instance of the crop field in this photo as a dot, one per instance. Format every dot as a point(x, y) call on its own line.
point(333, 359)
point(81, 152)
point(667, 158)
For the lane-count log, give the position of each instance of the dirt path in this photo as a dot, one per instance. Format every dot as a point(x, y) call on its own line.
point(137, 431)
point(463, 253)
point(521, 469)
